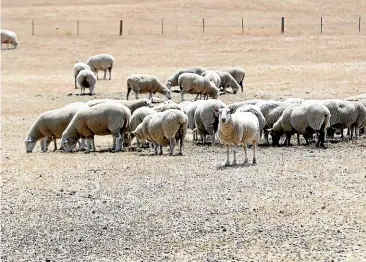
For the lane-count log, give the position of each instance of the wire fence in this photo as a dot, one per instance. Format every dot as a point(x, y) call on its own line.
point(171, 27)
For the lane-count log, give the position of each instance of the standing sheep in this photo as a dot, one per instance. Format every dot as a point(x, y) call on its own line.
point(101, 62)
point(86, 79)
point(9, 37)
point(79, 67)
point(173, 80)
point(227, 80)
point(256, 111)
point(132, 105)
point(237, 129)
point(237, 73)
point(146, 84)
point(103, 119)
point(195, 84)
point(138, 116)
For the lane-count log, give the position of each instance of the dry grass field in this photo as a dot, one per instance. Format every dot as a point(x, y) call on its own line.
point(297, 204)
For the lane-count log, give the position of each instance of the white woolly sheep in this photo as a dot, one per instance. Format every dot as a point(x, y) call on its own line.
point(50, 125)
point(237, 129)
point(103, 119)
point(146, 84)
point(195, 84)
point(166, 106)
point(138, 116)
point(206, 120)
point(131, 104)
point(227, 80)
point(9, 37)
point(304, 119)
point(213, 76)
point(173, 80)
point(256, 111)
point(86, 79)
point(236, 105)
point(237, 73)
point(101, 62)
point(164, 128)
point(77, 68)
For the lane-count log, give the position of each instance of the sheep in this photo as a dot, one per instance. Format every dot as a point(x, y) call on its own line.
point(206, 120)
point(237, 129)
point(237, 73)
point(294, 100)
point(103, 119)
point(138, 116)
point(77, 68)
point(256, 111)
point(195, 84)
point(173, 80)
point(101, 62)
point(9, 37)
point(185, 105)
point(236, 105)
point(304, 119)
point(166, 106)
point(132, 105)
point(227, 80)
point(213, 76)
point(86, 79)
point(50, 125)
point(146, 84)
point(190, 114)
point(163, 129)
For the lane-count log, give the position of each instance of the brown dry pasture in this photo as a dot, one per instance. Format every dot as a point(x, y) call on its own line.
point(298, 203)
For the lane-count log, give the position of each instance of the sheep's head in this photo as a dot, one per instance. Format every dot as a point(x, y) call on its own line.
point(276, 135)
point(224, 114)
point(138, 134)
point(68, 144)
point(168, 93)
point(16, 43)
point(168, 84)
point(30, 142)
point(235, 87)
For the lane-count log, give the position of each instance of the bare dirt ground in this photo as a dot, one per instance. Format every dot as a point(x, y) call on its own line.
point(297, 204)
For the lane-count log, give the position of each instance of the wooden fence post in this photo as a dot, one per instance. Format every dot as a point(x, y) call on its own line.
point(32, 26)
point(242, 25)
point(77, 27)
point(282, 25)
point(203, 25)
point(359, 24)
point(162, 26)
point(120, 27)
point(321, 25)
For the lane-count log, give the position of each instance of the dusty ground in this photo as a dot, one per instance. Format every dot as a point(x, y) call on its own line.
point(297, 204)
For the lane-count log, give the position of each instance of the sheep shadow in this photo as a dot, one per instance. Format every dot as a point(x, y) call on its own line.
point(231, 166)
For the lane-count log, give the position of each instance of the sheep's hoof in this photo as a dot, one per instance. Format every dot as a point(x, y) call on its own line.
point(246, 161)
point(180, 154)
point(227, 164)
point(234, 163)
point(254, 161)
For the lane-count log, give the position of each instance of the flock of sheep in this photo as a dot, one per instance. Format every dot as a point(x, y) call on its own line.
point(166, 124)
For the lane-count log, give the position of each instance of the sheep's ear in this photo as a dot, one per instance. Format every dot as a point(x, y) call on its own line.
point(216, 111)
point(231, 111)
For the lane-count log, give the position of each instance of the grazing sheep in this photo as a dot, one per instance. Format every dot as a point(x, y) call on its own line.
point(206, 120)
point(77, 68)
point(103, 119)
point(9, 37)
point(164, 128)
point(227, 80)
point(86, 79)
point(190, 114)
point(101, 62)
point(237, 129)
point(256, 111)
point(173, 80)
point(132, 104)
point(138, 116)
point(213, 76)
point(146, 84)
point(196, 84)
point(237, 73)
point(50, 125)
point(304, 119)
point(166, 106)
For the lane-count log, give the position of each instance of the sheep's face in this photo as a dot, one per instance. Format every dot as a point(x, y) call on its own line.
point(30, 142)
point(168, 84)
point(223, 114)
point(168, 94)
point(68, 144)
point(275, 137)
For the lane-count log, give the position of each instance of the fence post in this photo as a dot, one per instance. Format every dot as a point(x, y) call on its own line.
point(120, 27)
point(282, 25)
point(359, 24)
point(162, 26)
point(32, 26)
point(242, 25)
point(77, 27)
point(321, 25)
point(203, 25)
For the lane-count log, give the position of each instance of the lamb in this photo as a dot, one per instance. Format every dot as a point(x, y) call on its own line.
point(173, 80)
point(163, 129)
point(237, 129)
point(103, 119)
point(138, 116)
point(237, 73)
point(227, 80)
point(50, 125)
point(206, 120)
point(86, 79)
point(77, 68)
point(146, 84)
point(101, 62)
point(132, 105)
point(304, 119)
point(196, 84)
point(9, 37)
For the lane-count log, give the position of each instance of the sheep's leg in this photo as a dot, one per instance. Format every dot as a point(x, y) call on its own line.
point(88, 145)
point(54, 143)
point(194, 99)
point(110, 72)
point(298, 138)
point(181, 144)
point(97, 74)
point(255, 144)
point(171, 146)
point(82, 144)
point(357, 130)
point(138, 143)
point(118, 143)
point(105, 74)
point(150, 97)
point(266, 137)
point(137, 95)
point(245, 153)
point(160, 149)
point(155, 146)
point(227, 163)
point(93, 144)
point(181, 96)
point(213, 139)
point(234, 155)
point(75, 84)
point(44, 144)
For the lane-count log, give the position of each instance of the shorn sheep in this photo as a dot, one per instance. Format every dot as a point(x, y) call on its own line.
point(195, 84)
point(86, 79)
point(237, 129)
point(77, 68)
point(101, 62)
point(140, 84)
point(9, 37)
point(164, 128)
point(50, 126)
point(173, 80)
point(103, 119)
